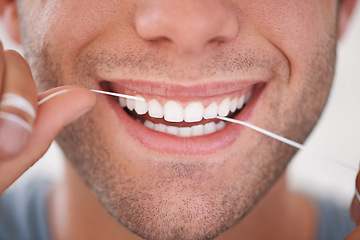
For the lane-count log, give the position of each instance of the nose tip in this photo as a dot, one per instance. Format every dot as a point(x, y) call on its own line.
point(188, 25)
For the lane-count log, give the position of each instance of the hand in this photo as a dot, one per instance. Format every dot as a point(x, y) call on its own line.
point(355, 212)
point(26, 128)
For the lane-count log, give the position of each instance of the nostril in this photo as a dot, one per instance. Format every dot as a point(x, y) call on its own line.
point(160, 39)
point(188, 25)
point(218, 40)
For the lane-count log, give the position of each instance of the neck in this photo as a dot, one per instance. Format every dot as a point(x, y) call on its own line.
point(281, 214)
point(75, 213)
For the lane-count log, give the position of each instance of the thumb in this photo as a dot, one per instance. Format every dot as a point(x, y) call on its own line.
point(56, 109)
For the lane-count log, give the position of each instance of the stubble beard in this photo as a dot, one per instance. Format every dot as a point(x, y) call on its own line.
point(187, 202)
point(169, 199)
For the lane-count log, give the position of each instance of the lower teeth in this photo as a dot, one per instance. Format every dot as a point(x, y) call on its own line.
point(191, 131)
point(197, 130)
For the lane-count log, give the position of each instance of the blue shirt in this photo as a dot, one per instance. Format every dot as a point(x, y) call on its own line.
point(23, 212)
point(23, 215)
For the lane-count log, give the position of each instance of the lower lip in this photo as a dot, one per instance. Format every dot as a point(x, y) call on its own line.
point(200, 145)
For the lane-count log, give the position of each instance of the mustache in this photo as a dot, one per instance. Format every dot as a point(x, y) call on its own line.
point(139, 63)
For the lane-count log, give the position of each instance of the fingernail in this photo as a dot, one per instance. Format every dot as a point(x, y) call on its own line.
point(14, 133)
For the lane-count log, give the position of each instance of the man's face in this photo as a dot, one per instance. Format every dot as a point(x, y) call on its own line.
point(193, 53)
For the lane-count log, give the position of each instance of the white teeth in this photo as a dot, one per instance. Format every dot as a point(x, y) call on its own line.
point(173, 112)
point(211, 111)
point(197, 130)
point(155, 109)
point(247, 97)
point(224, 107)
point(241, 102)
point(194, 112)
point(149, 124)
point(172, 130)
point(160, 127)
point(220, 125)
point(233, 105)
point(193, 131)
point(209, 128)
point(141, 107)
point(123, 102)
point(184, 132)
point(130, 103)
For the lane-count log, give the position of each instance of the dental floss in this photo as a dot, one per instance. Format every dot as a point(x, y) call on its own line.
point(118, 95)
point(287, 141)
point(253, 127)
point(51, 96)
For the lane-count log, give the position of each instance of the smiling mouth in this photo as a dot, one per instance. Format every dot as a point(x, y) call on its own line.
point(181, 117)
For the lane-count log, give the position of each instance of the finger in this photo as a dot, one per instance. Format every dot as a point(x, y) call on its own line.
point(354, 235)
point(2, 64)
point(52, 116)
point(17, 105)
point(355, 205)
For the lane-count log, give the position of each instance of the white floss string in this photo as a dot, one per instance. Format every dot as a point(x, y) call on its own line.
point(287, 141)
point(118, 95)
point(253, 127)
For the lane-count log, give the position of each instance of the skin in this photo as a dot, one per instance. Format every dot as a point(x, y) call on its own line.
point(155, 194)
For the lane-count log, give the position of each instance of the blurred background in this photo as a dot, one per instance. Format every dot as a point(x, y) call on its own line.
point(337, 133)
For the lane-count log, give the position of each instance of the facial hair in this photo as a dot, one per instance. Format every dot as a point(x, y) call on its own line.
point(170, 197)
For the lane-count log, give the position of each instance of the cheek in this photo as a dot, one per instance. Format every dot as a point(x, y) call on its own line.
point(305, 33)
point(68, 27)
point(297, 28)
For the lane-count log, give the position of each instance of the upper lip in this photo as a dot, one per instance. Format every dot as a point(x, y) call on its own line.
point(170, 90)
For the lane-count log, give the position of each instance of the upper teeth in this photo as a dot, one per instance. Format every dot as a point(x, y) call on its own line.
point(173, 111)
